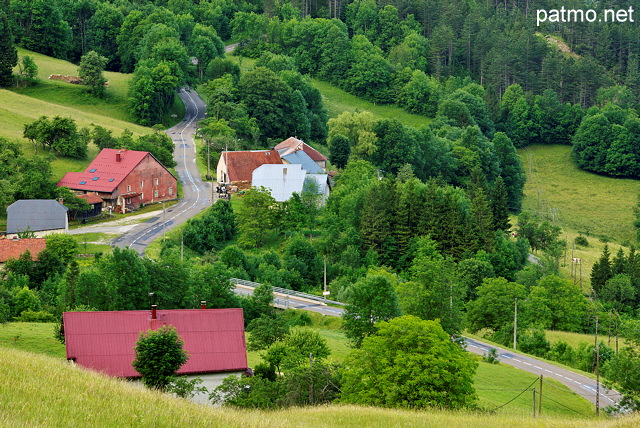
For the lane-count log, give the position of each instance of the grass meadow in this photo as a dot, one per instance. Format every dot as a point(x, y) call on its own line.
point(582, 203)
point(48, 391)
point(495, 384)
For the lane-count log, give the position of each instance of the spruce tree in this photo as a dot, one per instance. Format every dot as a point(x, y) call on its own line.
point(601, 271)
point(499, 201)
point(8, 52)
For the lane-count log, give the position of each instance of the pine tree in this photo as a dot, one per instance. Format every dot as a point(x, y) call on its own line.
point(499, 201)
point(8, 52)
point(601, 271)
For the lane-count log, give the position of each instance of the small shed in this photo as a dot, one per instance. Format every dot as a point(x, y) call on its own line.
point(96, 206)
point(41, 216)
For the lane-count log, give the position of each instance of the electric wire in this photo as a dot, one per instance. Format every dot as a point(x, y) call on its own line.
point(523, 391)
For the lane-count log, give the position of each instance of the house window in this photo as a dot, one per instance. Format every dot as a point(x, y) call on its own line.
point(128, 188)
point(155, 193)
point(170, 190)
point(128, 200)
point(141, 183)
point(141, 196)
point(156, 181)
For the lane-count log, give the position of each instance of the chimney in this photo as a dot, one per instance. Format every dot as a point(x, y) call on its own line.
point(203, 304)
point(153, 312)
point(118, 157)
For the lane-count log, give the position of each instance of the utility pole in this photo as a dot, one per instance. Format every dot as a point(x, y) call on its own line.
point(597, 351)
point(164, 222)
point(515, 325)
point(311, 379)
point(540, 398)
point(325, 277)
point(181, 245)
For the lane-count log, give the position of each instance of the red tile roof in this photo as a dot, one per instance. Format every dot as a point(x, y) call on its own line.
point(104, 341)
point(295, 144)
point(91, 198)
point(105, 173)
point(10, 249)
point(240, 165)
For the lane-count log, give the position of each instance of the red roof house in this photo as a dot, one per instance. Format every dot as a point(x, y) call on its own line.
point(13, 248)
point(105, 341)
point(237, 167)
point(292, 144)
point(124, 177)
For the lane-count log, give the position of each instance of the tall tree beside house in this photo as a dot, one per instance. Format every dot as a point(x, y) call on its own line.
point(256, 217)
point(90, 71)
point(340, 150)
point(8, 52)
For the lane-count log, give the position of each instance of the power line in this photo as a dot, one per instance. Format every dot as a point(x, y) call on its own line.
point(523, 391)
point(566, 407)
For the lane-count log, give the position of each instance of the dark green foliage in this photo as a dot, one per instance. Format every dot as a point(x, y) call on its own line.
point(8, 52)
point(265, 330)
point(372, 299)
point(60, 134)
point(582, 241)
point(90, 71)
point(495, 304)
point(159, 354)
point(212, 230)
point(218, 67)
point(340, 150)
point(441, 372)
point(601, 270)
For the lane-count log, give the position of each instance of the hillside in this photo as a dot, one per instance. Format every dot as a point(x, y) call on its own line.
point(48, 391)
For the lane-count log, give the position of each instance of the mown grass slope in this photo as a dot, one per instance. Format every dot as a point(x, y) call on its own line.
point(582, 203)
point(40, 390)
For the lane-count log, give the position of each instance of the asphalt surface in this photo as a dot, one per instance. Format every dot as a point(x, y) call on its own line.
point(197, 194)
point(578, 383)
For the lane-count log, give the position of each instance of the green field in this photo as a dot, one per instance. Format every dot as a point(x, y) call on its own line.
point(495, 384)
point(47, 391)
point(582, 203)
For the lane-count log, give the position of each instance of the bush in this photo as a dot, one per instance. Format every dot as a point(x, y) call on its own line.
point(32, 316)
point(581, 240)
point(491, 357)
point(159, 354)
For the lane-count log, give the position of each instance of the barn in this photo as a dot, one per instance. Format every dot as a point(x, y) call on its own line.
point(124, 179)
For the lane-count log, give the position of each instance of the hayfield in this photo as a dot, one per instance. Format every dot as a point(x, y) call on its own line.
point(49, 391)
point(582, 203)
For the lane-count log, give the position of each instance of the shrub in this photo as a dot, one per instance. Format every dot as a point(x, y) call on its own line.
point(581, 240)
point(33, 316)
point(159, 354)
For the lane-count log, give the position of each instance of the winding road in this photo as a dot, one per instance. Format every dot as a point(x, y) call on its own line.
point(196, 198)
point(580, 384)
point(196, 193)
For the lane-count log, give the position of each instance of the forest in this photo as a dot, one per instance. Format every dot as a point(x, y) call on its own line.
point(422, 219)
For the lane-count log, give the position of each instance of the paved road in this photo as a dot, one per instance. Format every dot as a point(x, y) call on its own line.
point(578, 383)
point(197, 194)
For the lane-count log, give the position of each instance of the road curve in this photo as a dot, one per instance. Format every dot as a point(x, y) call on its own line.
point(578, 383)
point(197, 194)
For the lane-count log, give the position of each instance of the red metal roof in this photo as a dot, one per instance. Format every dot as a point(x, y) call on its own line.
point(240, 165)
point(105, 341)
point(91, 198)
point(10, 249)
point(105, 173)
point(295, 144)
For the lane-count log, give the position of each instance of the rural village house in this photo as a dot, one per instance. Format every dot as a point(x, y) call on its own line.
point(283, 170)
point(124, 179)
point(12, 248)
point(41, 216)
point(104, 341)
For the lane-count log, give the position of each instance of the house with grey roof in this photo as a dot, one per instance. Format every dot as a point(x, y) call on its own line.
point(299, 157)
point(41, 216)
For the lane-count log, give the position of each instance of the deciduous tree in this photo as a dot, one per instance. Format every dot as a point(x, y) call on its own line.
point(159, 355)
